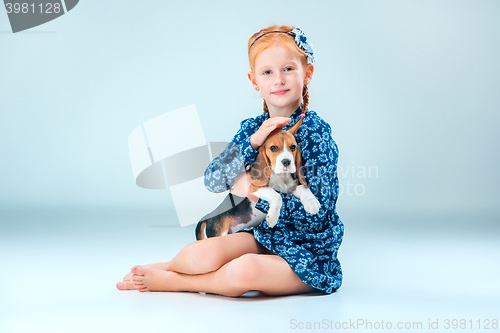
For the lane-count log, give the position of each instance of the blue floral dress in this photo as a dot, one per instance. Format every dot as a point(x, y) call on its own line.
point(308, 242)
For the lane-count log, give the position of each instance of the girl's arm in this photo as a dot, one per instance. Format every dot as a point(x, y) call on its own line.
point(224, 169)
point(222, 172)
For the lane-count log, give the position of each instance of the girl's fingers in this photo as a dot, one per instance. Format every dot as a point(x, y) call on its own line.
point(281, 122)
point(267, 127)
point(278, 122)
point(268, 130)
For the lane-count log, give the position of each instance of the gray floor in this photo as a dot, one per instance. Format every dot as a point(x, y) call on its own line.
point(59, 269)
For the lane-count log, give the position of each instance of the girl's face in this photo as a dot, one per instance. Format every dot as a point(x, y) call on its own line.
point(279, 76)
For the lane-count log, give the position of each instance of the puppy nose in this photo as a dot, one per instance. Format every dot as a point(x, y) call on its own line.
point(285, 162)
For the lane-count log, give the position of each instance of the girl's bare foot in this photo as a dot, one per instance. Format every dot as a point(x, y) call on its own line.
point(128, 284)
point(149, 278)
point(160, 265)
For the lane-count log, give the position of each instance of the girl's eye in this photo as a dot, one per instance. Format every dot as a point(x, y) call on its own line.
point(267, 72)
point(274, 148)
point(288, 69)
point(292, 147)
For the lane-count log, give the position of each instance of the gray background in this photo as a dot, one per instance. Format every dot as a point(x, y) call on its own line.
point(409, 87)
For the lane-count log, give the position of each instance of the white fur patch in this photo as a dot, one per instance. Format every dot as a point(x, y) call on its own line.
point(274, 200)
point(285, 154)
point(283, 182)
point(311, 204)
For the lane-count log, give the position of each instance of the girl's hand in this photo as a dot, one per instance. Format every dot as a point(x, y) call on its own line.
point(257, 139)
point(241, 186)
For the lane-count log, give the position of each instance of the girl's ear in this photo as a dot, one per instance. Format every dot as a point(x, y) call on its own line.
point(309, 74)
point(251, 77)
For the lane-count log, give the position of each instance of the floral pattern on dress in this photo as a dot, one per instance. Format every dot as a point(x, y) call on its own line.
point(308, 242)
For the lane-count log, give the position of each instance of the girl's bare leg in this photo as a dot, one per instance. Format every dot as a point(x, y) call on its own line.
point(204, 256)
point(270, 274)
point(209, 254)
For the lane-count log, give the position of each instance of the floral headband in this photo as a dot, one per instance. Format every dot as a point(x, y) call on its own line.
point(300, 40)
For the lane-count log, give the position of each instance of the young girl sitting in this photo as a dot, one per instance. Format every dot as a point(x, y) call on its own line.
point(299, 254)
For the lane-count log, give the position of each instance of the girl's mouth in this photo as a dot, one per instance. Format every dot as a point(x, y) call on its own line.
point(280, 92)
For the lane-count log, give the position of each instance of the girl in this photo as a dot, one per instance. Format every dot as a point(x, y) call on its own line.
point(297, 255)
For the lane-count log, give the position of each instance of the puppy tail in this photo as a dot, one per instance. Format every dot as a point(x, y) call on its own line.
point(200, 230)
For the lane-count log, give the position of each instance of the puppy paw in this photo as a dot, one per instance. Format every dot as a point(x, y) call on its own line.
point(272, 217)
point(311, 204)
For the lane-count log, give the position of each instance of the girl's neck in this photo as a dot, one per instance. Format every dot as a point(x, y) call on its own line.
point(285, 111)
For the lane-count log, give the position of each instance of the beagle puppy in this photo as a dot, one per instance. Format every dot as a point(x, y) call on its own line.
point(233, 214)
point(276, 168)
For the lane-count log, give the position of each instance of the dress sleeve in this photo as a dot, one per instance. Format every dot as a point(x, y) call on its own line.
point(239, 153)
point(319, 154)
point(242, 139)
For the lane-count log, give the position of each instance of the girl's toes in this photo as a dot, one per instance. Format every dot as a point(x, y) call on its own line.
point(138, 270)
point(136, 278)
point(125, 285)
point(143, 289)
point(132, 269)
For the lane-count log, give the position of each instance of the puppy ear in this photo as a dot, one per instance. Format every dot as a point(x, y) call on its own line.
point(298, 167)
point(260, 172)
point(293, 130)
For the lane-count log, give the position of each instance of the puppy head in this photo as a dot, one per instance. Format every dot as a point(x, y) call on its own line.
point(281, 150)
point(284, 154)
point(278, 153)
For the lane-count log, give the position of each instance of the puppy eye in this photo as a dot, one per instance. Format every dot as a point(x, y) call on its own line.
point(274, 148)
point(292, 147)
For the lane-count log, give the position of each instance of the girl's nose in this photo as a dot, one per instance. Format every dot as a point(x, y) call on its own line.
point(279, 79)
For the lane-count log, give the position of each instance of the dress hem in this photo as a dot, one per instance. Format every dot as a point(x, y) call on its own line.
point(300, 275)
